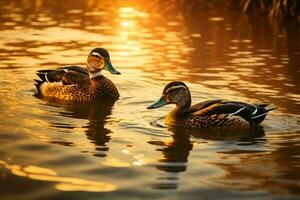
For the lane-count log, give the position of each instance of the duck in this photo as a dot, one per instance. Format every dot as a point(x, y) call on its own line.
point(79, 84)
point(210, 114)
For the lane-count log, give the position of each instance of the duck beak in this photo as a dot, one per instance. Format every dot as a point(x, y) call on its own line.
point(161, 102)
point(110, 68)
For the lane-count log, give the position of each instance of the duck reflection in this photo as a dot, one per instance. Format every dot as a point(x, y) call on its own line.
point(96, 114)
point(175, 153)
point(174, 158)
point(229, 135)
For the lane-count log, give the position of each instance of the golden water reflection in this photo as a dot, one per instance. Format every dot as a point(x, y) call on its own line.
point(218, 54)
point(61, 183)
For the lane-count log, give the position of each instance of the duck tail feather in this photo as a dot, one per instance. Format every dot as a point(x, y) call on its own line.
point(43, 76)
point(38, 84)
point(270, 107)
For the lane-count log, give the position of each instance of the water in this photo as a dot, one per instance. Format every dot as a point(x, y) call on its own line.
point(55, 151)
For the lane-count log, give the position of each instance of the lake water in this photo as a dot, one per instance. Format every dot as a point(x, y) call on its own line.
point(55, 151)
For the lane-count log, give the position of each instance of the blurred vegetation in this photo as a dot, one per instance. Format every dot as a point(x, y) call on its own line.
point(278, 10)
point(275, 9)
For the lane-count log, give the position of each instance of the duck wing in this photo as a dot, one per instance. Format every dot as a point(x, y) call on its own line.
point(253, 113)
point(204, 104)
point(67, 75)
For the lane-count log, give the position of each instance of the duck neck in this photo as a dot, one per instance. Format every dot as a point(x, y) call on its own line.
point(182, 108)
point(95, 74)
point(184, 103)
point(179, 111)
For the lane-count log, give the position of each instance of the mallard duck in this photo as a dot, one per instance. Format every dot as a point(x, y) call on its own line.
point(80, 84)
point(217, 113)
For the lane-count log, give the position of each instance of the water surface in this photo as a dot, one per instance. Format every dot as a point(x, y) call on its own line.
point(63, 151)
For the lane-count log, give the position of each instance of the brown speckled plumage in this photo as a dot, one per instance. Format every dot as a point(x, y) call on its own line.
point(209, 121)
point(90, 90)
point(216, 114)
point(80, 84)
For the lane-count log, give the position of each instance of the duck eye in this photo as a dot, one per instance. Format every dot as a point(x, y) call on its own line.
point(174, 88)
point(169, 91)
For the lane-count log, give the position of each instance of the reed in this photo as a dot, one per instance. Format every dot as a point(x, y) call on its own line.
point(275, 9)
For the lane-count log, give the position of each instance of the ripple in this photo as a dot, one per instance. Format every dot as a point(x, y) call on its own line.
point(61, 183)
point(50, 35)
point(159, 123)
point(283, 124)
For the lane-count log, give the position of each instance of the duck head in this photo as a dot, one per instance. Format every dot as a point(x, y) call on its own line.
point(99, 60)
point(175, 92)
